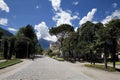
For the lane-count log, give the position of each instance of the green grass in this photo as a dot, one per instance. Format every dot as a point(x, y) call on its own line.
point(9, 63)
point(111, 69)
point(117, 63)
point(59, 59)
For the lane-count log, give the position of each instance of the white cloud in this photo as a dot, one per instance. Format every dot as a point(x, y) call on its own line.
point(114, 5)
point(12, 29)
point(89, 16)
point(75, 3)
point(56, 4)
point(3, 21)
point(115, 14)
point(4, 6)
point(75, 29)
point(95, 22)
point(64, 17)
point(61, 16)
point(43, 32)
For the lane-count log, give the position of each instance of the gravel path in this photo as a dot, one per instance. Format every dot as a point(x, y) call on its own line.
point(45, 69)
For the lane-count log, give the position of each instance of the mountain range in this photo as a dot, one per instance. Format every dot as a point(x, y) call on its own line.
point(6, 33)
point(44, 43)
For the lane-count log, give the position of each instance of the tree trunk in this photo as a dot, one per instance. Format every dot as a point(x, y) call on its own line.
point(105, 60)
point(114, 51)
point(114, 60)
point(5, 49)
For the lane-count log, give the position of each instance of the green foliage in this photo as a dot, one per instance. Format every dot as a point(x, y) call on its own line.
point(5, 48)
point(61, 30)
point(49, 52)
point(39, 49)
point(1, 34)
point(29, 32)
point(113, 29)
point(24, 47)
point(59, 59)
point(11, 46)
point(27, 43)
point(9, 63)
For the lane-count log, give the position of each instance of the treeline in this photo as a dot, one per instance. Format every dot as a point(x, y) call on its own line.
point(23, 45)
point(89, 42)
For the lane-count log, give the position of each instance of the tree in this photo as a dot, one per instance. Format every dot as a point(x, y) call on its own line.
point(61, 32)
point(31, 42)
point(5, 48)
point(104, 43)
point(39, 49)
point(87, 37)
point(113, 28)
point(70, 45)
point(87, 41)
point(1, 34)
point(12, 46)
point(23, 47)
point(29, 32)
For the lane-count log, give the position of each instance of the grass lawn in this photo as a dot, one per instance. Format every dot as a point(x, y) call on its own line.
point(100, 67)
point(118, 62)
point(59, 59)
point(9, 63)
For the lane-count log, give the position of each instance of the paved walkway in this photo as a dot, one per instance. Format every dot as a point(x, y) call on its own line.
point(45, 68)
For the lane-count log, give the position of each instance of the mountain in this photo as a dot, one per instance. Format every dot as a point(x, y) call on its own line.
point(44, 43)
point(6, 33)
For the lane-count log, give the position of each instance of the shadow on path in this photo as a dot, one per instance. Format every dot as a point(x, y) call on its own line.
point(117, 69)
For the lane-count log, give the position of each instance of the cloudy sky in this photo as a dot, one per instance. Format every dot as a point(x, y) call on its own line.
point(43, 14)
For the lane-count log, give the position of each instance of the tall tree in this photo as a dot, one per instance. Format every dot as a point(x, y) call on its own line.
point(113, 28)
point(88, 40)
point(103, 43)
point(28, 32)
point(61, 32)
point(11, 46)
point(70, 45)
point(5, 48)
point(87, 36)
point(1, 34)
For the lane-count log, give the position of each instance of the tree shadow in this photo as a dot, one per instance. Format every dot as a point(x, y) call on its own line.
point(117, 69)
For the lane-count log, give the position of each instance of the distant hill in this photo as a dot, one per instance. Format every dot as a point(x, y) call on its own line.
point(44, 43)
point(6, 33)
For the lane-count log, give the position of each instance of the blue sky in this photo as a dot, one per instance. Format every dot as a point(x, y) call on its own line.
point(43, 14)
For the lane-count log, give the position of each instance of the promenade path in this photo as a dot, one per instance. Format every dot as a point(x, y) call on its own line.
point(45, 68)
